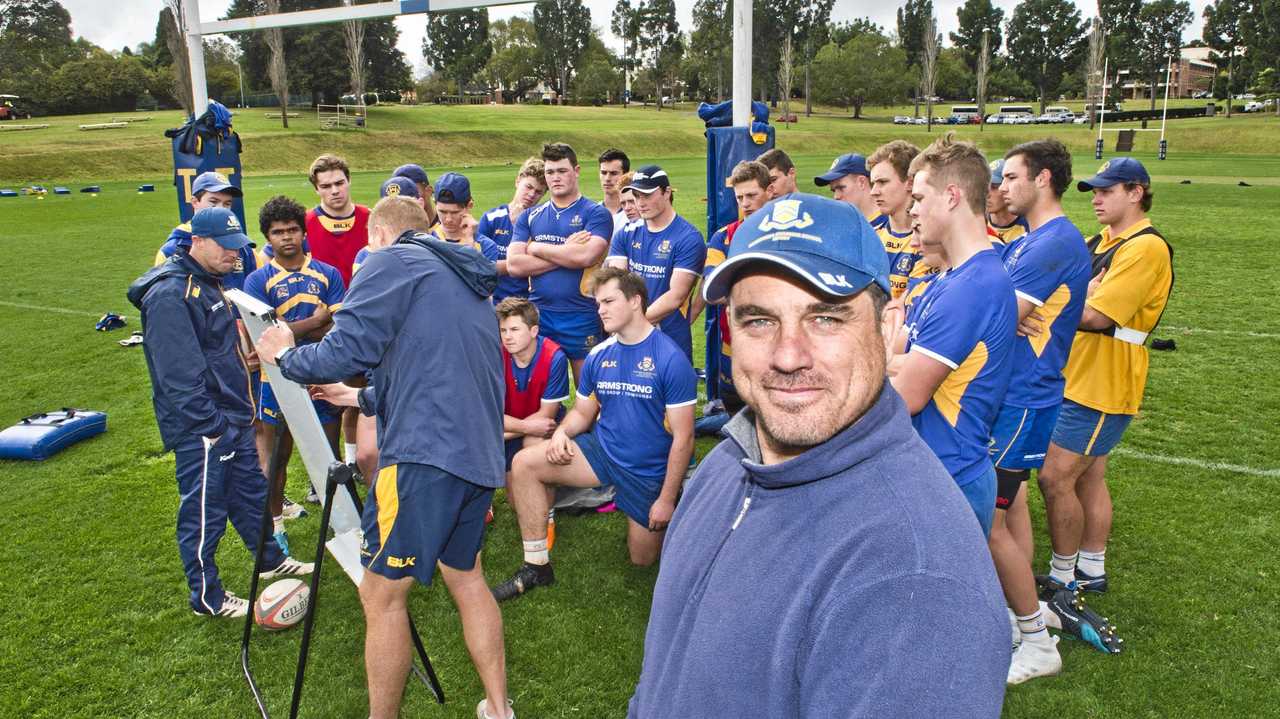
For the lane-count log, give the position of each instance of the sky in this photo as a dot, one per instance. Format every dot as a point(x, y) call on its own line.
point(118, 23)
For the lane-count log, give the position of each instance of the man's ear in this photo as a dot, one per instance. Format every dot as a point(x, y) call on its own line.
point(892, 318)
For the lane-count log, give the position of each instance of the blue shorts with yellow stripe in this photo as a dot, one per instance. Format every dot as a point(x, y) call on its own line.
point(417, 514)
point(269, 407)
point(1020, 436)
point(1087, 431)
point(575, 332)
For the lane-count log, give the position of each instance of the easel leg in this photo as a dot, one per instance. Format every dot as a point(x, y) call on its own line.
point(264, 533)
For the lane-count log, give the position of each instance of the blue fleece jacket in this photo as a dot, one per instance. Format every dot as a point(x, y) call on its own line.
point(850, 581)
point(199, 380)
point(418, 314)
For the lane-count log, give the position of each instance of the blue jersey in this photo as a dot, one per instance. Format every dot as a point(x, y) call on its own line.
point(248, 261)
point(562, 289)
point(297, 294)
point(656, 257)
point(966, 319)
point(1050, 268)
point(496, 225)
point(902, 259)
point(635, 385)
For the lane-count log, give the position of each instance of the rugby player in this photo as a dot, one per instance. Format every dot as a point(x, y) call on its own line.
point(666, 250)
point(891, 190)
point(422, 181)
point(212, 189)
point(1003, 223)
point(959, 336)
point(1049, 268)
point(556, 245)
point(496, 224)
point(453, 205)
point(782, 172)
point(304, 292)
point(418, 305)
point(1132, 267)
point(850, 182)
point(631, 427)
point(614, 163)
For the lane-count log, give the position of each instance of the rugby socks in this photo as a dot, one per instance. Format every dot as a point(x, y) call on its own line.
point(1063, 568)
point(551, 529)
point(349, 452)
point(535, 552)
point(1092, 563)
point(1033, 628)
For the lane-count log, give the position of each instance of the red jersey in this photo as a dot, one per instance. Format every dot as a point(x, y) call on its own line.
point(336, 240)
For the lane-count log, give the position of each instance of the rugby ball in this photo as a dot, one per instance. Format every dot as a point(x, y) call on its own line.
point(282, 605)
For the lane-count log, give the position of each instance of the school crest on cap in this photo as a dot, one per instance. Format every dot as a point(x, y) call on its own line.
point(393, 189)
point(221, 178)
point(1104, 167)
point(233, 223)
point(786, 215)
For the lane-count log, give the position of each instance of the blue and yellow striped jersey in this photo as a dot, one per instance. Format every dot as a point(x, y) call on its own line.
point(297, 294)
point(902, 259)
point(1009, 233)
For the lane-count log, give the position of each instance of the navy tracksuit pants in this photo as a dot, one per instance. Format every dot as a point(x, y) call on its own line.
point(215, 484)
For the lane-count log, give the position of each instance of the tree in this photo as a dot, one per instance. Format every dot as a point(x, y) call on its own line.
point(954, 78)
point(1224, 33)
point(842, 32)
point(710, 43)
point(172, 18)
point(912, 17)
point(277, 69)
point(660, 41)
point(1120, 23)
point(597, 81)
point(1095, 81)
point(35, 39)
point(515, 63)
point(867, 68)
point(1161, 23)
point(929, 66)
point(625, 23)
point(457, 43)
point(1045, 40)
point(977, 17)
point(353, 34)
point(984, 65)
point(563, 28)
point(97, 83)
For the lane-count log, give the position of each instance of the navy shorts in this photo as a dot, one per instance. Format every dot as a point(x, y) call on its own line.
point(1087, 431)
point(417, 514)
point(269, 409)
point(511, 447)
point(1020, 436)
point(575, 332)
point(633, 494)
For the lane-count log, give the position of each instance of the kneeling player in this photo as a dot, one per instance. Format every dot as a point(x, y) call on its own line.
point(643, 388)
point(537, 372)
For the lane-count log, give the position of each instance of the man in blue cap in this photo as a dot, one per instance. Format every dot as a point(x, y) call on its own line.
point(1004, 224)
point(422, 181)
point(200, 388)
point(1107, 370)
point(851, 571)
point(453, 205)
point(212, 189)
point(850, 181)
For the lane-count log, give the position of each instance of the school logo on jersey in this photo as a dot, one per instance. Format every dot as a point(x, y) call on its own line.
point(665, 247)
point(239, 261)
point(282, 292)
point(786, 215)
point(590, 342)
point(313, 288)
point(646, 365)
point(575, 221)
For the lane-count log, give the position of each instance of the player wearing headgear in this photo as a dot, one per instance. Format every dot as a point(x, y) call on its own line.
point(614, 163)
point(453, 205)
point(891, 190)
point(631, 427)
point(304, 292)
point(422, 181)
point(782, 172)
point(212, 189)
point(957, 344)
point(497, 223)
point(1132, 267)
point(1003, 223)
point(337, 228)
point(1049, 267)
point(555, 245)
point(666, 251)
point(850, 182)
point(200, 384)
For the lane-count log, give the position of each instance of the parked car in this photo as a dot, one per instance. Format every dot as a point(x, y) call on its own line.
point(1253, 106)
point(1082, 120)
point(901, 120)
point(920, 121)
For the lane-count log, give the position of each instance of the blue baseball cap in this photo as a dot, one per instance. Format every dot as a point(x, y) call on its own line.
point(997, 172)
point(214, 182)
point(414, 173)
point(849, 164)
point(399, 187)
point(453, 188)
point(828, 243)
point(220, 225)
point(649, 178)
point(1121, 169)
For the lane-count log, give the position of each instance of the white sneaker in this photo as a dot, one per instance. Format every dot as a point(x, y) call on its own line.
point(290, 509)
point(482, 711)
point(1034, 659)
point(1013, 625)
point(290, 567)
point(232, 606)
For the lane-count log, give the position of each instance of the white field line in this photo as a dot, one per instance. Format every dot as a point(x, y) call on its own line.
point(1206, 331)
point(59, 310)
point(1197, 463)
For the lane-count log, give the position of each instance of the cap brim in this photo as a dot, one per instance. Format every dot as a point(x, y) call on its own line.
point(229, 189)
point(717, 286)
point(827, 178)
point(1094, 183)
point(644, 190)
point(234, 241)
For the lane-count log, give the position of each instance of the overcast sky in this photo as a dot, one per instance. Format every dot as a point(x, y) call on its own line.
point(118, 23)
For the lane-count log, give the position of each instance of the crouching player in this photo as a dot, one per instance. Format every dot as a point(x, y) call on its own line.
point(643, 388)
point(305, 293)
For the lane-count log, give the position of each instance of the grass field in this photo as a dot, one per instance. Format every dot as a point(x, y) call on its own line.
point(92, 598)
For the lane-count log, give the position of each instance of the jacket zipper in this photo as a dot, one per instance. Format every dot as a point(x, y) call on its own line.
point(706, 573)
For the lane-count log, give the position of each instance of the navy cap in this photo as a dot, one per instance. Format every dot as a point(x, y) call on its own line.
point(214, 182)
point(828, 243)
point(648, 178)
point(399, 187)
point(997, 172)
point(220, 225)
point(453, 188)
point(850, 164)
point(1121, 169)
point(413, 172)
